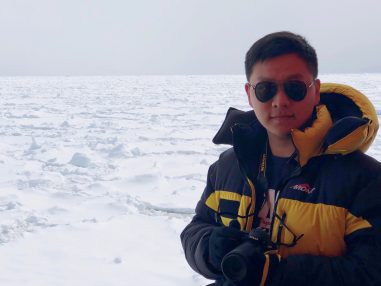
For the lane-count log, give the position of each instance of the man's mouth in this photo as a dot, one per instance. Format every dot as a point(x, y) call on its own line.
point(281, 116)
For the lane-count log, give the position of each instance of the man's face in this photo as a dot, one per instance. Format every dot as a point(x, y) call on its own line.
point(281, 114)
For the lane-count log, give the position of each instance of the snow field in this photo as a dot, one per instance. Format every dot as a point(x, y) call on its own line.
point(99, 175)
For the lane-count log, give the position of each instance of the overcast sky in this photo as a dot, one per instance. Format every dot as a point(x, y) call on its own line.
point(125, 37)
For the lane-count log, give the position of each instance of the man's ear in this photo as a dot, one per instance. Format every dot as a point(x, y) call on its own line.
point(317, 91)
point(247, 89)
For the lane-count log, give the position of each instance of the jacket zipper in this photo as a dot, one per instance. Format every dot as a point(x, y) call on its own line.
point(296, 172)
point(249, 219)
point(251, 209)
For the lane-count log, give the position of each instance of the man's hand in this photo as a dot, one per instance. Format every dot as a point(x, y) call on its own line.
point(221, 241)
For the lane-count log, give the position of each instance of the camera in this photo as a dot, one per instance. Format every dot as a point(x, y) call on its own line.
point(237, 263)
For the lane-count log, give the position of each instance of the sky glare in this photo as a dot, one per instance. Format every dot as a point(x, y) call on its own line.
point(118, 37)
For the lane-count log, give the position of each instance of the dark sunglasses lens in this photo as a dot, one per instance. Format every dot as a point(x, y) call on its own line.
point(295, 89)
point(265, 90)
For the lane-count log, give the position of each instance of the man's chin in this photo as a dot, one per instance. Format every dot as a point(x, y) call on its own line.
point(282, 134)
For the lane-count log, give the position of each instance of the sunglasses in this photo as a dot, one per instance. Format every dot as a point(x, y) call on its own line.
point(294, 89)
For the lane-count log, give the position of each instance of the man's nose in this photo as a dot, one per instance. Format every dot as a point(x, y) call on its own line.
point(280, 99)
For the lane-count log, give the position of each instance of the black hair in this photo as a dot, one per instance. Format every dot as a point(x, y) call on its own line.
point(278, 44)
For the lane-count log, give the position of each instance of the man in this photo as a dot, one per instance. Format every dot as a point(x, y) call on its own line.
point(297, 172)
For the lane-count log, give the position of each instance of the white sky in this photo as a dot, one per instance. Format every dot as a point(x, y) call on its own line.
point(125, 37)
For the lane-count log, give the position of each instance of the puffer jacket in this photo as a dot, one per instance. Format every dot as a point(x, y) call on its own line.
point(331, 201)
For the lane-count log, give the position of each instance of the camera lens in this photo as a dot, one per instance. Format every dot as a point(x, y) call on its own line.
point(234, 267)
point(235, 264)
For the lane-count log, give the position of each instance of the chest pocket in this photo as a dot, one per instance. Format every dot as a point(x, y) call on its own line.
point(228, 205)
point(228, 210)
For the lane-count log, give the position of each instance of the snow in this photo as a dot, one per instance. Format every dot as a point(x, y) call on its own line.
point(99, 175)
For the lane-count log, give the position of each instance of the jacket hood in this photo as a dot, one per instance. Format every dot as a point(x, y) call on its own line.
point(343, 122)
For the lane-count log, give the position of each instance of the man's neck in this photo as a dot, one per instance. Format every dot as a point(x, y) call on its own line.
point(281, 146)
